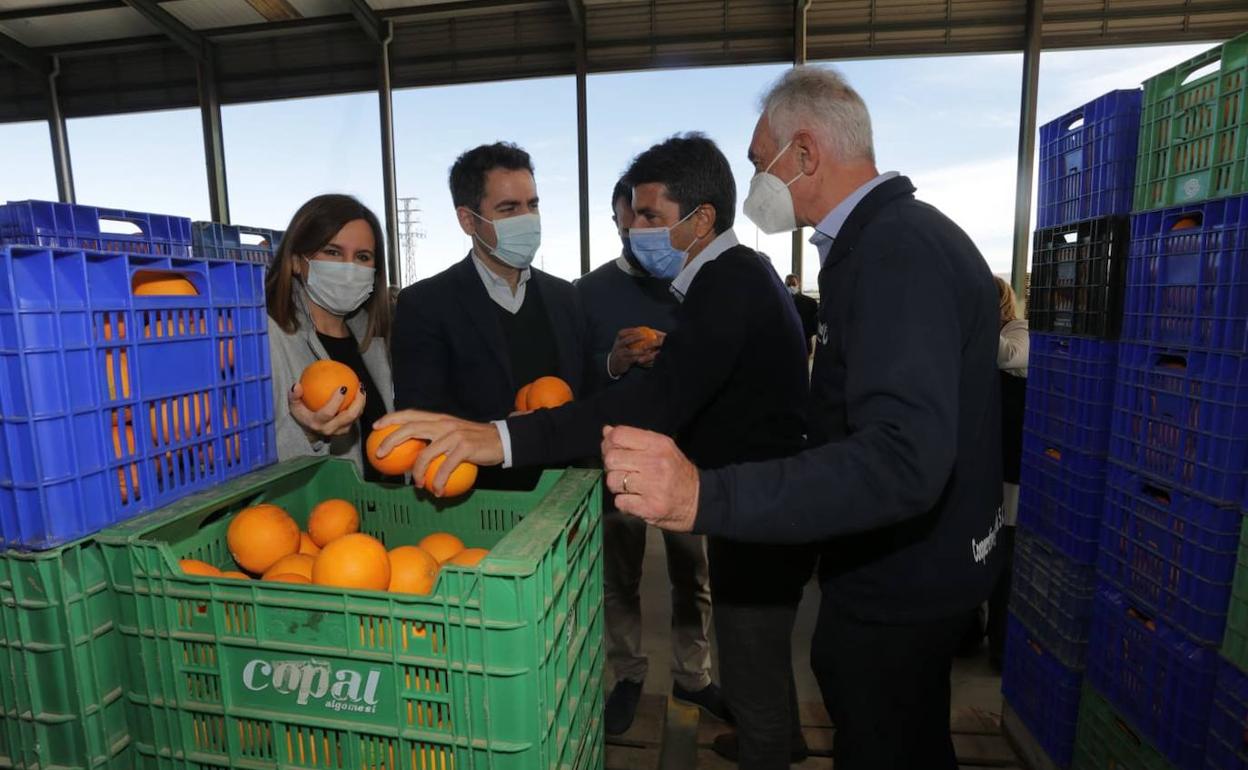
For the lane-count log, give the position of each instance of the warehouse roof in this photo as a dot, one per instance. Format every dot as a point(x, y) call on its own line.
point(113, 57)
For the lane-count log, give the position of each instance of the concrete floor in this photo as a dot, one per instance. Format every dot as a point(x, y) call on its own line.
point(667, 734)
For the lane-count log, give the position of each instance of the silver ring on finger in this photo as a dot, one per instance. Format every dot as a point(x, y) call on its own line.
point(624, 483)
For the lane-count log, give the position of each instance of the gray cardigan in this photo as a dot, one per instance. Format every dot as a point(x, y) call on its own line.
point(291, 354)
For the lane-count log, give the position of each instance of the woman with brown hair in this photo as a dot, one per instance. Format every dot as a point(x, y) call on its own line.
point(327, 298)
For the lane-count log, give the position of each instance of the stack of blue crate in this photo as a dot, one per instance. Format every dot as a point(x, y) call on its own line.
point(1178, 444)
point(1087, 166)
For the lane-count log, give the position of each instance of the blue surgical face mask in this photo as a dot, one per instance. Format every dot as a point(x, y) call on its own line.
point(518, 238)
point(653, 249)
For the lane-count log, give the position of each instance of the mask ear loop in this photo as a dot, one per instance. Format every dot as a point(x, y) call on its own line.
point(783, 150)
point(696, 238)
point(491, 250)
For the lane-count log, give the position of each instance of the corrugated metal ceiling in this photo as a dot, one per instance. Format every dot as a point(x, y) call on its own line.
point(113, 59)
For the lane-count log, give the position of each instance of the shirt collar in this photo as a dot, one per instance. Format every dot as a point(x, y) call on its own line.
point(724, 241)
point(830, 226)
point(492, 278)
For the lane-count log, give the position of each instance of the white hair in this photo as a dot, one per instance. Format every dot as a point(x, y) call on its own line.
point(819, 100)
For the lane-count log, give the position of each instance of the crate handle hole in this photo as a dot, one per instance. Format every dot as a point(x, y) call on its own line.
point(1070, 237)
point(119, 226)
point(1209, 69)
point(1157, 493)
point(1140, 617)
point(253, 239)
point(1171, 361)
point(1053, 454)
point(1076, 121)
point(1186, 221)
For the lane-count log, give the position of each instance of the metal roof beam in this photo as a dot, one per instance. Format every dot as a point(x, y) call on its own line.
point(183, 36)
point(368, 20)
point(42, 11)
point(577, 9)
point(27, 58)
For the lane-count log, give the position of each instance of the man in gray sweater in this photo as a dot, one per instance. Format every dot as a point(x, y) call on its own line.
point(618, 297)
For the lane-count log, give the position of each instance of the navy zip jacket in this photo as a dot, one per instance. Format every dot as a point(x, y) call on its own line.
point(901, 484)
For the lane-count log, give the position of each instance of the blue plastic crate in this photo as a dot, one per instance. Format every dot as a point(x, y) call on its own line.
point(1043, 692)
point(1088, 159)
point(1181, 416)
point(1153, 674)
point(1061, 493)
point(1227, 745)
point(1051, 596)
point(1171, 552)
point(72, 226)
point(1187, 276)
point(113, 404)
point(1070, 391)
point(213, 240)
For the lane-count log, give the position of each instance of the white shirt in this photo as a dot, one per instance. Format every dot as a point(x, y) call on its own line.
point(498, 288)
point(830, 226)
point(722, 242)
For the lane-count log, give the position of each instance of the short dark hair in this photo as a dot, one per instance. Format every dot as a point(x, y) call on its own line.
point(793, 276)
point(467, 176)
point(694, 171)
point(622, 190)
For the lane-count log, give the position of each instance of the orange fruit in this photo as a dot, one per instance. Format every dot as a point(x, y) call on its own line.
point(287, 577)
point(307, 545)
point(260, 535)
point(401, 458)
point(295, 564)
point(442, 546)
point(548, 393)
point(1186, 223)
point(197, 567)
point(322, 378)
point(412, 570)
point(460, 481)
point(331, 519)
point(236, 575)
point(152, 283)
point(353, 561)
point(649, 337)
point(522, 398)
point(133, 486)
point(469, 557)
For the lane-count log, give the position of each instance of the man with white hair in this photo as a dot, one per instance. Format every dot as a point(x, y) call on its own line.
point(900, 483)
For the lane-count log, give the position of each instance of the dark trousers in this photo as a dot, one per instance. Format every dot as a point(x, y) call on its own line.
point(755, 591)
point(886, 688)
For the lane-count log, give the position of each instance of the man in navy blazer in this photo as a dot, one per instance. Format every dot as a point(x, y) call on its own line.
point(467, 339)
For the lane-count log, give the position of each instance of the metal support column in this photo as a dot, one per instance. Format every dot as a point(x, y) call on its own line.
point(577, 9)
point(800, 8)
point(1026, 143)
point(214, 141)
point(389, 184)
point(60, 139)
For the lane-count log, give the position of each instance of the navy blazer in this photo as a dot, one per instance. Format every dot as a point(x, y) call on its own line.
point(449, 353)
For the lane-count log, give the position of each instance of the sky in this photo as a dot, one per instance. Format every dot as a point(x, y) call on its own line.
point(950, 123)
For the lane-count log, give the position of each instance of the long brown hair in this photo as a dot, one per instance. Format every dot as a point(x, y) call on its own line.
point(314, 225)
point(1005, 296)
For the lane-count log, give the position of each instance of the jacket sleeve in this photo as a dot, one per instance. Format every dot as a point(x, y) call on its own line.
point(902, 360)
point(421, 354)
point(292, 439)
point(697, 357)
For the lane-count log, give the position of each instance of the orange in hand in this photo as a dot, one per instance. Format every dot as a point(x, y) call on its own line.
point(459, 482)
point(322, 378)
point(401, 458)
point(331, 519)
point(544, 393)
point(648, 337)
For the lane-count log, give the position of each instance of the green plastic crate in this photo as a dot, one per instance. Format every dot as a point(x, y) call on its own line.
point(499, 667)
point(61, 662)
point(1235, 641)
point(1194, 136)
point(1105, 741)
